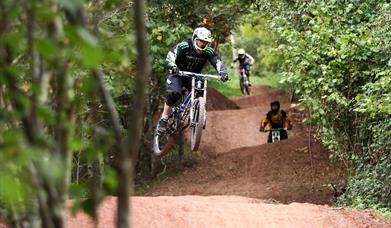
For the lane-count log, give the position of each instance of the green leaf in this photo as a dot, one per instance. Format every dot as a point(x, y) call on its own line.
point(87, 37)
point(71, 5)
point(46, 48)
point(77, 191)
point(91, 56)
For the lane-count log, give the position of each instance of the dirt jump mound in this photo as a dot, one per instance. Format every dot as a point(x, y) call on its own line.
point(261, 97)
point(217, 101)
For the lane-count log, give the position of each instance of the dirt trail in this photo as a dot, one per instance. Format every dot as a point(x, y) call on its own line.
point(261, 97)
point(284, 180)
point(282, 172)
point(227, 211)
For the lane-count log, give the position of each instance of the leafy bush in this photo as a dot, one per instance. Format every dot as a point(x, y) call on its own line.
point(337, 56)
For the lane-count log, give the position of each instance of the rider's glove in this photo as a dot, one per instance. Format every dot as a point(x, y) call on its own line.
point(224, 76)
point(173, 70)
point(262, 129)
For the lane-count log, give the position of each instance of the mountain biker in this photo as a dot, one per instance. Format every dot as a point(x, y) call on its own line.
point(276, 118)
point(245, 61)
point(191, 55)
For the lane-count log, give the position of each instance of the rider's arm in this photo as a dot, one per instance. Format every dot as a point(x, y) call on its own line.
point(251, 59)
point(173, 54)
point(264, 122)
point(215, 60)
point(287, 122)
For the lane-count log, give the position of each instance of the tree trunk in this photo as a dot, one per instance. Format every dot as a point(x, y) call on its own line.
point(135, 122)
point(181, 149)
point(234, 52)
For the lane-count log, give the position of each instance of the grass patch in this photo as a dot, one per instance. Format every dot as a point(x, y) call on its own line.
point(384, 212)
point(232, 88)
point(361, 203)
point(139, 190)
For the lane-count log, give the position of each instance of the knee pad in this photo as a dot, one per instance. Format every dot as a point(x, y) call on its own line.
point(172, 98)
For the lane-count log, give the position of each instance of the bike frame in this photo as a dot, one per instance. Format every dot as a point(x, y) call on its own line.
point(243, 75)
point(182, 107)
point(276, 136)
point(180, 115)
point(276, 133)
point(198, 83)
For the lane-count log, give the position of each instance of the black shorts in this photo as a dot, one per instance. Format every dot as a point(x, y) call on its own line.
point(245, 67)
point(175, 83)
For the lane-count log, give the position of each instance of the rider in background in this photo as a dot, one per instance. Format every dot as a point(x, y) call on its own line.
point(191, 55)
point(276, 118)
point(245, 61)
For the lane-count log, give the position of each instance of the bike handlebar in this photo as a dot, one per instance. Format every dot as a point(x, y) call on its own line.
point(187, 73)
point(275, 129)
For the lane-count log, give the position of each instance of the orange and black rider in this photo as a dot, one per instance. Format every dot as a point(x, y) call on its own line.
point(276, 118)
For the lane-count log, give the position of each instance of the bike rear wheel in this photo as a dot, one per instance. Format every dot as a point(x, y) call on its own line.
point(198, 123)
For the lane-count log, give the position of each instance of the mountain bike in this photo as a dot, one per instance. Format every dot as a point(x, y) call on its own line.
point(276, 133)
point(190, 113)
point(244, 82)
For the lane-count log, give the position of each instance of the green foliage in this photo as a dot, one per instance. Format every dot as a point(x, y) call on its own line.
point(259, 41)
point(336, 55)
point(232, 87)
point(50, 109)
point(192, 13)
point(371, 183)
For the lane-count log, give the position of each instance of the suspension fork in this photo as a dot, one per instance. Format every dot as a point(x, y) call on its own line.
point(243, 74)
point(205, 92)
point(192, 100)
point(205, 86)
point(184, 107)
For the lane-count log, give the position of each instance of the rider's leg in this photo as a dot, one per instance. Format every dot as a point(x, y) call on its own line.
point(269, 138)
point(174, 86)
point(283, 134)
point(241, 71)
point(248, 74)
point(166, 111)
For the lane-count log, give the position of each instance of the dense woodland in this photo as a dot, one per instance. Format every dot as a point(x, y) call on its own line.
point(81, 82)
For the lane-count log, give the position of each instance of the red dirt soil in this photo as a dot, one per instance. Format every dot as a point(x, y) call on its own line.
point(217, 101)
point(282, 172)
point(261, 97)
point(282, 178)
point(227, 211)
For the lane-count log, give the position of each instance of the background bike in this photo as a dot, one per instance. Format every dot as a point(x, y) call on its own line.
point(244, 83)
point(190, 113)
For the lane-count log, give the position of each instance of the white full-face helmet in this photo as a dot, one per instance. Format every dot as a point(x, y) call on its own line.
point(241, 52)
point(201, 34)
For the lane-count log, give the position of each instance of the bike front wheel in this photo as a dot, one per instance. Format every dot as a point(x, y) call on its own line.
point(247, 88)
point(162, 143)
point(241, 83)
point(245, 85)
point(198, 123)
